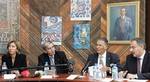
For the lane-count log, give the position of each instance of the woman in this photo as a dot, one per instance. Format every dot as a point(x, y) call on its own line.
point(13, 58)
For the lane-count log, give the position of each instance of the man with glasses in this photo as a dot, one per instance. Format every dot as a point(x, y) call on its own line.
point(138, 62)
point(53, 57)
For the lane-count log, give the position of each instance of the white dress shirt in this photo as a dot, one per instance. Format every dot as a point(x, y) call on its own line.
point(141, 61)
point(103, 59)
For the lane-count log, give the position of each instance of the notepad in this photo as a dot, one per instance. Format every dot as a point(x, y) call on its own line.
point(46, 77)
point(9, 76)
point(72, 77)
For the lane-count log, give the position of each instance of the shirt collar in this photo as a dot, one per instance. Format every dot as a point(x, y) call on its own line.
point(52, 56)
point(142, 56)
point(103, 55)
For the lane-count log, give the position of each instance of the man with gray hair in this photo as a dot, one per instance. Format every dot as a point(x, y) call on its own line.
point(138, 62)
point(53, 57)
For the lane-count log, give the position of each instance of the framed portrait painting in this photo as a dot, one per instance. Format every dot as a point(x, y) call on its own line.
point(123, 22)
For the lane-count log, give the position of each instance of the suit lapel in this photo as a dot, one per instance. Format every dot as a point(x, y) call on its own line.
point(10, 61)
point(95, 57)
point(47, 59)
point(107, 59)
point(16, 61)
point(144, 62)
point(56, 58)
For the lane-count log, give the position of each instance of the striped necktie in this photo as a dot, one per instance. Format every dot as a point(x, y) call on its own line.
point(52, 61)
point(101, 60)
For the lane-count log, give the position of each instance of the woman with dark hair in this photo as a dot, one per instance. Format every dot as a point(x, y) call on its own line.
point(13, 58)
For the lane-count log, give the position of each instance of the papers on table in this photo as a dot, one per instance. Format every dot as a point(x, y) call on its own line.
point(9, 76)
point(46, 77)
point(72, 77)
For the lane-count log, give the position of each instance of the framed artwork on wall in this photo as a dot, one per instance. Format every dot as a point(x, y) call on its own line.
point(81, 10)
point(51, 29)
point(9, 23)
point(122, 22)
point(81, 36)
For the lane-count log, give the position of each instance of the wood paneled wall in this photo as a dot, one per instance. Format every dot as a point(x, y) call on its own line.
point(147, 37)
point(30, 21)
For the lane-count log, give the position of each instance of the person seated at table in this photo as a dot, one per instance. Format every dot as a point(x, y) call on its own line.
point(103, 56)
point(138, 62)
point(53, 57)
point(13, 58)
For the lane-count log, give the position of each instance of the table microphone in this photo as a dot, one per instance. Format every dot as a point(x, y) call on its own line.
point(85, 67)
point(71, 64)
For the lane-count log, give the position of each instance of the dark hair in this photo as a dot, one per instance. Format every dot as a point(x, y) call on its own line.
point(16, 43)
point(140, 41)
point(104, 39)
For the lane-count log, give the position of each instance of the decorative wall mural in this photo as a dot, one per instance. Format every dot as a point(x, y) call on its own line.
point(51, 29)
point(80, 9)
point(9, 22)
point(81, 36)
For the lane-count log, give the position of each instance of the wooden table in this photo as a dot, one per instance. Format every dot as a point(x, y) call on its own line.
point(60, 78)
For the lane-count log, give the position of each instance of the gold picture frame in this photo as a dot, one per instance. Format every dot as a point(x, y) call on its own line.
point(122, 22)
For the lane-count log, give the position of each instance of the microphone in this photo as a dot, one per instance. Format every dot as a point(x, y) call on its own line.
point(32, 67)
point(71, 64)
point(71, 61)
point(85, 67)
point(125, 74)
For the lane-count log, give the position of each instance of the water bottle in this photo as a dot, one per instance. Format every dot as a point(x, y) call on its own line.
point(4, 67)
point(46, 68)
point(94, 72)
point(114, 72)
point(97, 75)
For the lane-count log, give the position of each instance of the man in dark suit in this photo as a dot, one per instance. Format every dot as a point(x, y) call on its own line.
point(107, 57)
point(138, 62)
point(53, 57)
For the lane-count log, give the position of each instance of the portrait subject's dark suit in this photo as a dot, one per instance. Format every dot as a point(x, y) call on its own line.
point(59, 58)
point(131, 66)
point(123, 29)
point(20, 61)
point(111, 58)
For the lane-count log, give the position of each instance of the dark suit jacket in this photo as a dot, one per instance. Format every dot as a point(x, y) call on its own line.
point(131, 66)
point(111, 58)
point(59, 58)
point(20, 61)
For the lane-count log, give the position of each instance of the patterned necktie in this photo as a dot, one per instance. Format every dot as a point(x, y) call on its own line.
point(101, 60)
point(52, 62)
point(138, 65)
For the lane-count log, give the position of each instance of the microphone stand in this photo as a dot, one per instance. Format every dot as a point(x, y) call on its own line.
point(84, 70)
point(32, 67)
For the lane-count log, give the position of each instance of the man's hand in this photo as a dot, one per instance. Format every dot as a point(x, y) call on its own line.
point(122, 74)
point(105, 69)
